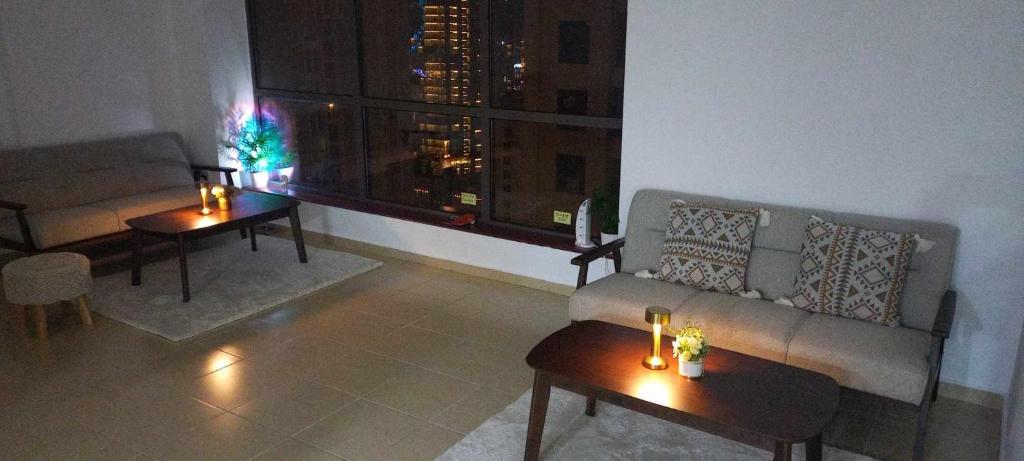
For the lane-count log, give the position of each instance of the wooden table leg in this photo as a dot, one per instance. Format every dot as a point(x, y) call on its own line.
point(41, 321)
point(83, 310)
point(538, 412)
point(813, 447)
point(783, 451)
point(252, 238)
point(300, 245)
point(136, 257)
point(242, 231)
point(183, 264)
point(591, 406)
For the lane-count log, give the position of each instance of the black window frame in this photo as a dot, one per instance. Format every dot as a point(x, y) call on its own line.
point(357, 102)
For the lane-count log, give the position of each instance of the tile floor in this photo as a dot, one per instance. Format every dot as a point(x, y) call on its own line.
point(395, 364)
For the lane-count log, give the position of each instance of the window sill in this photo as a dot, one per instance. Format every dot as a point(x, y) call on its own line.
point(496, 230)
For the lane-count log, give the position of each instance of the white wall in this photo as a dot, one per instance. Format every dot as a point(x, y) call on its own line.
point(910, 109)
point(71, 72)
point(477, 250)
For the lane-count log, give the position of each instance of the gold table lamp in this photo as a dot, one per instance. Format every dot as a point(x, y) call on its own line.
point(656, 316)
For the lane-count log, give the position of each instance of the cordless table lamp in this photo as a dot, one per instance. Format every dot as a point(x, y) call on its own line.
point(656, 316)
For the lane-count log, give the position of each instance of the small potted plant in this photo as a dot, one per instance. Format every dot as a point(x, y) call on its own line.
point(606, 208)
point(690, 347)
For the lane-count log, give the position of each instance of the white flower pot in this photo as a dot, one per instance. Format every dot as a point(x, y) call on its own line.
point(691, 370)
point(285, 172)
point(606, 238)
point(260, 179)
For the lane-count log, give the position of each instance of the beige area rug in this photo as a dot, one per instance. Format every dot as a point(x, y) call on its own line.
point(228, 282)
point(614, 434)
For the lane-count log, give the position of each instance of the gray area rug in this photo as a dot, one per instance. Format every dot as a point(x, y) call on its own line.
point(614, 434)
point(227, 280)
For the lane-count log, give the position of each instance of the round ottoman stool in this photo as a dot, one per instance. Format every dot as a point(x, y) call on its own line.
point(48, 278)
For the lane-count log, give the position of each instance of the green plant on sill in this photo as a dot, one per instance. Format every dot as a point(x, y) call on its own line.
point(257, 143)
point(606, 207)
point(690, 343)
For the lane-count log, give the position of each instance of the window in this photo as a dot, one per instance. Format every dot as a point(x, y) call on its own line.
point(573, 42)
point(572, 102)
point(424, 160)
point(425, 51)
point(507, 109)
point(321, 135)
point(546, 169)
point(302, 45)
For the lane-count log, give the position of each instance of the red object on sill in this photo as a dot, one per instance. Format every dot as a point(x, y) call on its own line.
point(467, 219)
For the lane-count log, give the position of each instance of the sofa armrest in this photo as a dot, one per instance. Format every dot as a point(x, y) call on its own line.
point(613, 248)
point(944, 318)
point(599, 252)
point(26, 235)
point(217, 169)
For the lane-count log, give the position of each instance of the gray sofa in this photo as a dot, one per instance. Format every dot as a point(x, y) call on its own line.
point(900, 363)
point(55, 196)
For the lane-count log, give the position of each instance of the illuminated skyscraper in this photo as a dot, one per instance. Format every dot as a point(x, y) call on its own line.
point(446, 45)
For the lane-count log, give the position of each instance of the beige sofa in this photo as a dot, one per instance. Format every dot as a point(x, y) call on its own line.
point(900, 363)
point(55, 196)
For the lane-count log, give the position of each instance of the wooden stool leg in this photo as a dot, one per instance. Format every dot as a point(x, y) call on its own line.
point(83, 310)
point(20, 316)
point(41, 321)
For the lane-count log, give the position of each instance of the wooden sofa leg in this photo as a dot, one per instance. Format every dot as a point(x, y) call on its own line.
point(938, 371)
point(83, 310)
point(934, 362)
point(40, 317)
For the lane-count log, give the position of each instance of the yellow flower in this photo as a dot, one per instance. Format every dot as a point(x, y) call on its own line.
point(687, 355)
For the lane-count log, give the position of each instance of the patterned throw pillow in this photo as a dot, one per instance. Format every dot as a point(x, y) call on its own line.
point(707, 247)
point(852, 272)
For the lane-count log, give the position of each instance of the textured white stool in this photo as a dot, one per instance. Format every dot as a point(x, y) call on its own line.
point(46, 279)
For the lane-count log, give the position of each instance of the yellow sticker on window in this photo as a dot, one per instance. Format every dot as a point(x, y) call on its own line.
point(563, 217)
point(468, 198)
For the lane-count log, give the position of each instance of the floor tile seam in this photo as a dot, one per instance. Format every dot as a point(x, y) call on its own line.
point(304, 428)
point(404, 413)
point(421, 367)
point(469, 340)
point(445, 410)
point(286, 439)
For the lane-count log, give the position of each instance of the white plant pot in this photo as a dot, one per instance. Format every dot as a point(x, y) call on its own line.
point(260, 179)
point(692, 370)
point(606, 238)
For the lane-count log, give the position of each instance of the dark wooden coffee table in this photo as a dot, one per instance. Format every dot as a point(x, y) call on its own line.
point(737, 392)
point(184, 224)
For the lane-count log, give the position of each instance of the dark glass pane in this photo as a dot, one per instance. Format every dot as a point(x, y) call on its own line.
point(541, 49)
point(304, 45)
point(422, 50)
point(426, 160)
point(321, 136)
point(541, 168)
point(573, 42)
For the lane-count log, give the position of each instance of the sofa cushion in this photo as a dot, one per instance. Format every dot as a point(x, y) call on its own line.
point(750, 326)
point(152, 202)
point(622, 299)
point(852, 272)
point(707, 247)
point(891, 362)
point(64, 225)
point(158, 162)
